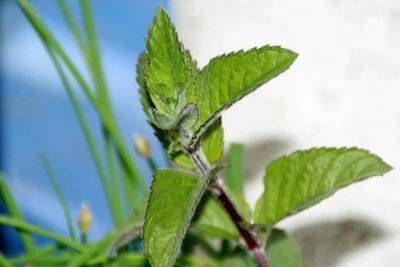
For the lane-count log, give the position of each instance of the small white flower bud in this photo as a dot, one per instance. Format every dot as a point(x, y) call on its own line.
point(142, 145)
point(85, 217)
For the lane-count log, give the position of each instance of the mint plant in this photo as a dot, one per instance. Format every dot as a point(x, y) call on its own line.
point(194, 214)
point(184, 104)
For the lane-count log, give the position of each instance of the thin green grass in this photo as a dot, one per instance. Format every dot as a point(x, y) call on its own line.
point(59, 194)
point(107, 119)
point(92, 250)
point(87, 133)
point(115, 165)
point(69, 19)
point(94, 58)
point(26, 227)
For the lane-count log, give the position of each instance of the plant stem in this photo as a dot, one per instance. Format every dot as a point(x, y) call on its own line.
point(84, 238)
point(152, 165)
point(217, 188)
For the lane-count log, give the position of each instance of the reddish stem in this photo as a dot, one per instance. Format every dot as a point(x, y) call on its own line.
point(217, 189)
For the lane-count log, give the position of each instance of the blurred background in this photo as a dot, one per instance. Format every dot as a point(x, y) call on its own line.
point(343, 90)
point(36, 114)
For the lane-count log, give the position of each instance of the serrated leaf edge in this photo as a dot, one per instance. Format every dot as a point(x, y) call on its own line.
point(182, 233)
point(203, 128)
point(330, 192)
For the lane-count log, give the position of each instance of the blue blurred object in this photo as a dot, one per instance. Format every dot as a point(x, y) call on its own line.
point(36, 114)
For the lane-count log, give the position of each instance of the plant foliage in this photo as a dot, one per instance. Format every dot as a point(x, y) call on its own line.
point(186, 206)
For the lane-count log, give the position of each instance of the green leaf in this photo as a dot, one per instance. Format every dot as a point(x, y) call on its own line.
point(141, 80)
point(234, 177)
point(298, 181)
point(212, 142)
point(170, 80)
point(167, 71)
point(173, 199)
point(213, 221)
point(282, 250)
point(191, 63)
point(241, 204)
point(228, 78)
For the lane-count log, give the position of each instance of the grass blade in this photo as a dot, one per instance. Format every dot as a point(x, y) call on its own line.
point(45, 250)
point(14, 212)
point(132, 199)
point(24, 226)
point(46, 36)
point(134, 259)
point(93, 55)
point(108, 121)
point(114, 183)
point(59, 194)
point(93, 250)
point(98, 78)
point(42, 260)
point(87, 133)
point(69, 19)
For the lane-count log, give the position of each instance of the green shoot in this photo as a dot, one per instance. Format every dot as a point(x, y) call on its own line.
point(59, 194)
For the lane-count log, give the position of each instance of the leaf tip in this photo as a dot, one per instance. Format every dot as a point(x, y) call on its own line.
point(161, 13)
point(291, 55)
point(386, 168)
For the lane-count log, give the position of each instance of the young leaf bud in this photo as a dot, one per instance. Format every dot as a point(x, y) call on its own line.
point(85, 217)
point(142, 145)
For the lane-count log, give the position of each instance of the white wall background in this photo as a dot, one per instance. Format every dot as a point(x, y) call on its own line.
point(343, 90)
